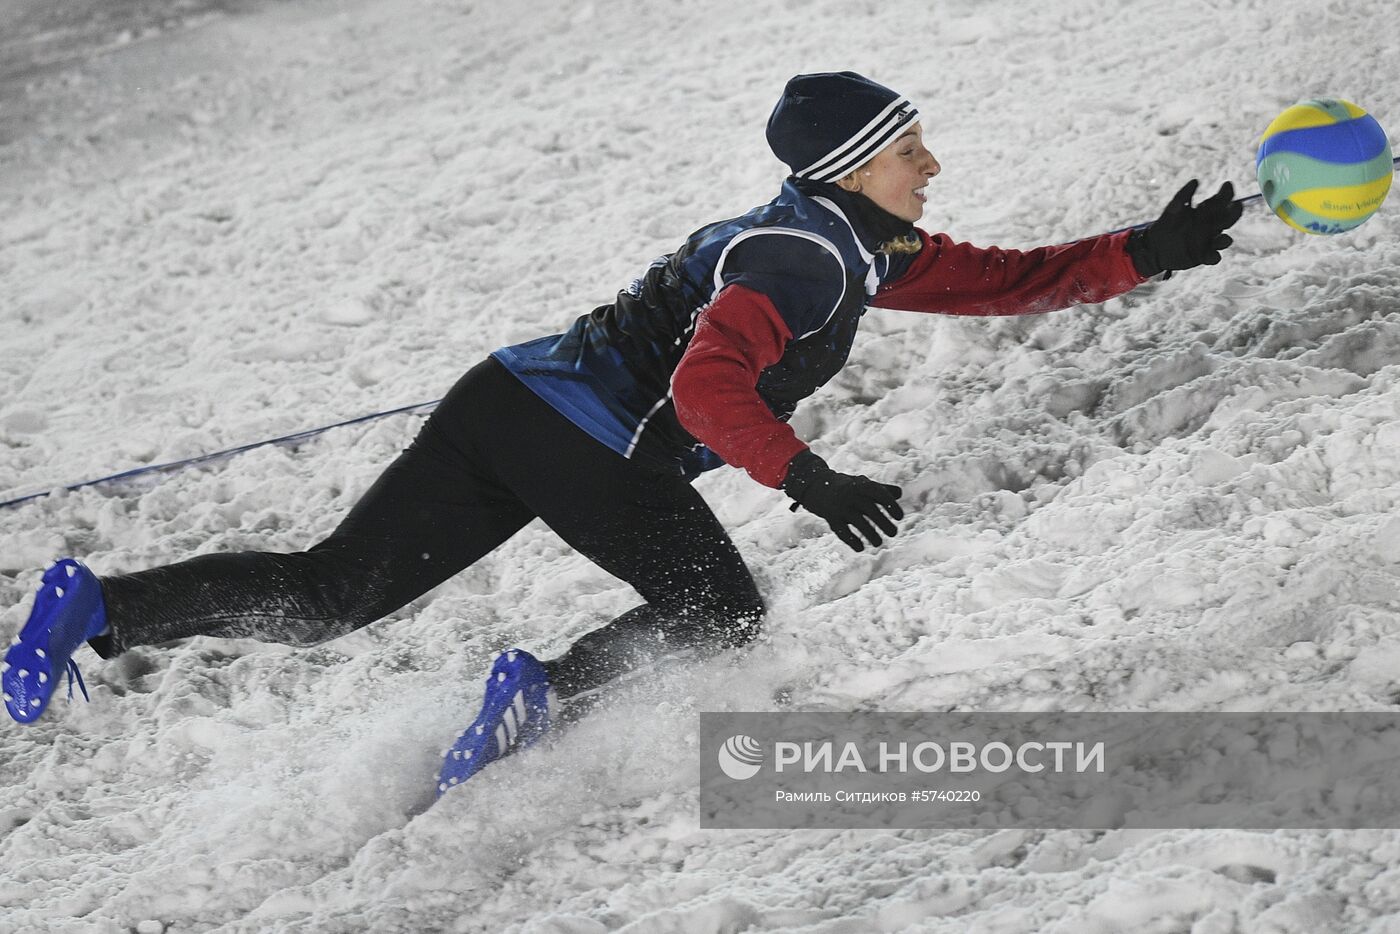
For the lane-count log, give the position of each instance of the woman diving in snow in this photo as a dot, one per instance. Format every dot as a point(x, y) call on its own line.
point(599, 431)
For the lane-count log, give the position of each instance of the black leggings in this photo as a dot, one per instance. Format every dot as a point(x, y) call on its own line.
point(492, 456)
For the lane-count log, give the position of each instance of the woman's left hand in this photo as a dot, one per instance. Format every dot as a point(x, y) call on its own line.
point(1186, 236)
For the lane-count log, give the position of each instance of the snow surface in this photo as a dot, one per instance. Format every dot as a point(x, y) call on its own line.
point(221, 222)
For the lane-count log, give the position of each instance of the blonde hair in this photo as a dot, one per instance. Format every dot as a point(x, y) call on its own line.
point(907, 244)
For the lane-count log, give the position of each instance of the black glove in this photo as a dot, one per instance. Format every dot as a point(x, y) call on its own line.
point(848, 502)
point(1184, 236)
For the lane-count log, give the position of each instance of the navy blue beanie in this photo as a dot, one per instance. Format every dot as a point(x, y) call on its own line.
point(828, 124)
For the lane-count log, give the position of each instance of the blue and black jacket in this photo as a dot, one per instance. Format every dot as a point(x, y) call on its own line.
point(611, 372)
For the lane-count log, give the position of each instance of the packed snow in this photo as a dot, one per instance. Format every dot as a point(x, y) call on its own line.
point(231, 221)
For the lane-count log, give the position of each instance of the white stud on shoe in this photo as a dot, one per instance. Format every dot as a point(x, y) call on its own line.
point(442, 786)
point(41, 653)
point(24, 672)
point(467, 754)
point(72, 571)
point(501, 676)
point(43, 678)
point(480, 730)
point(58, 592)
point(34, 702)
point(8, 698)
point(510, 656)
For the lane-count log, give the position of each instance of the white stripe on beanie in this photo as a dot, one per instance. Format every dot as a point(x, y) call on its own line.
point(863, 144)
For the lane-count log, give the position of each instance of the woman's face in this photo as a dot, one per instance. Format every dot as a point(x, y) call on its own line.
point(896, 177)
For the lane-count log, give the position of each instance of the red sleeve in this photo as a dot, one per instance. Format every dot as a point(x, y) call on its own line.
point(961, 279)
point(737, 337)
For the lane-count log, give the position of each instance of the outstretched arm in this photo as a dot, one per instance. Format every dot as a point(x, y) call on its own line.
point(953, 278)
point(961, 279)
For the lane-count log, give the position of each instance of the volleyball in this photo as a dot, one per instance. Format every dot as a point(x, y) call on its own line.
point(1324, 166)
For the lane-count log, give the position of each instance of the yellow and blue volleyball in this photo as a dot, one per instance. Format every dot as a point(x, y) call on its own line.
point(1324, 166)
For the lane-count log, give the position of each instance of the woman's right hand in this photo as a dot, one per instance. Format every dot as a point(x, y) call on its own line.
point(853, 505)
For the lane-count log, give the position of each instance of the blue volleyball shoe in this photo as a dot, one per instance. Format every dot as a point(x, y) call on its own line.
point(514, 715)
point(67, 612)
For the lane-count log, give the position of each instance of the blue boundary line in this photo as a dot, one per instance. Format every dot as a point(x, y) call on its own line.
point(312, 432)
point(221, 455)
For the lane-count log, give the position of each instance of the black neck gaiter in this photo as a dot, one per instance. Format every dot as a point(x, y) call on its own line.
point(873, 224)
